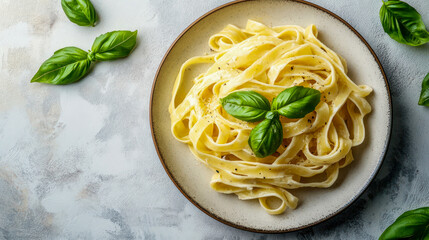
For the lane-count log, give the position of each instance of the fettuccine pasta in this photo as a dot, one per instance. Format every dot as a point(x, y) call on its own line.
point(268, 60)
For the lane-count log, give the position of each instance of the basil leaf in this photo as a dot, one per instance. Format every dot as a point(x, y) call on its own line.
point(424, 95)
point(296, 102)
point(81, 12)
point(248, 106)
point(425, 234)
point(412, 224)
point(267, 136)
point(114, 45)
point(403, 23)
point(66, 66)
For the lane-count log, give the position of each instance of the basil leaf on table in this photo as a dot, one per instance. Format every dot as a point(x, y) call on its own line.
point(70, 64)
point(412, 224)
point(424, 95)
point(296, 102)
point(67, 65)
point(267, 136)
point(403, 23)
point(81, 12)
point(114, 45)
point(248, 106)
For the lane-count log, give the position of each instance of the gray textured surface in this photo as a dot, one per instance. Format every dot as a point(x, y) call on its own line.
point(78, 161)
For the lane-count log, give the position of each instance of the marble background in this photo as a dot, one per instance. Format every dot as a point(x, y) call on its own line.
point(78, 162)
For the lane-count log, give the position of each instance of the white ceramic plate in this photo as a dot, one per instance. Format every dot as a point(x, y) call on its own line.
point(316, 205)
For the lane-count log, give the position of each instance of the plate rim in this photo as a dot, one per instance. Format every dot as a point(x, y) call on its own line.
point(241, 227)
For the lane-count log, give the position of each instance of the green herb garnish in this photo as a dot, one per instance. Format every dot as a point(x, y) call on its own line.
point(267, 136)
point(424, 95)
point(412, 224)
point(296, 102)
point(114, 45)
point(250, 106)
point(81, 12)
point(403, 23)
point(70, 64)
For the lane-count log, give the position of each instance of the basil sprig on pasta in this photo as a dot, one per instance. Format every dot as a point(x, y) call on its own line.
point(403, 23)
point(81, 12)
point(70, 64)
point(250, 106)
point(412, 224)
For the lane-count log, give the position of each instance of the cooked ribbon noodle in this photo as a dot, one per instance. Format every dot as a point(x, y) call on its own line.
point(268, 60)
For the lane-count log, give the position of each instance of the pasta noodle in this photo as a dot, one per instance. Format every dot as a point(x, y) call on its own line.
point(268, 60)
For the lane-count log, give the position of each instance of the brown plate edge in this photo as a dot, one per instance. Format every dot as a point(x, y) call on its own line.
point(254, 229)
